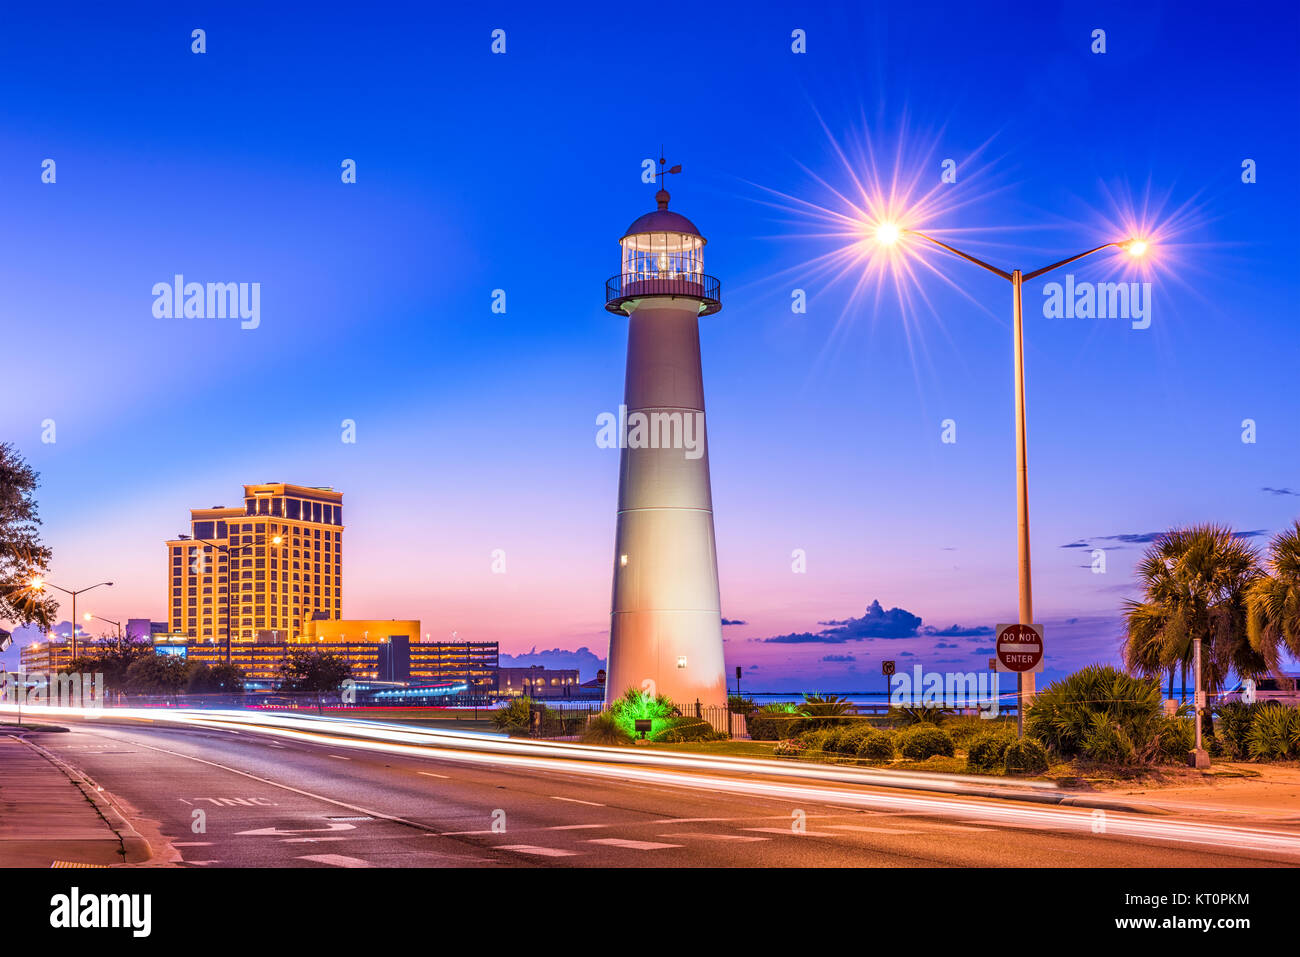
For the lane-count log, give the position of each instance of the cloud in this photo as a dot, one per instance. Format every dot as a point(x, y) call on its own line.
point(733, 621)
point(947, 644)
point(1128, 538)
point(957, 631)
point(584, 659)
point(838, 658)
point(876, 622)
point(984, 651)
point(1279, 491)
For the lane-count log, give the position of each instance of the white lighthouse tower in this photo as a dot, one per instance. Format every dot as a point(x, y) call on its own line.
point(666, 622)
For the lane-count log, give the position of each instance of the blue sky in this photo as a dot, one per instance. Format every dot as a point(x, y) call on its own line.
point(475, 172)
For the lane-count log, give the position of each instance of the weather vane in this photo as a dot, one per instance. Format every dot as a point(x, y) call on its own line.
point(662, 172)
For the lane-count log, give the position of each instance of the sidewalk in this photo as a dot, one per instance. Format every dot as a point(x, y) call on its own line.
point(1263, 792)
point(48, 820)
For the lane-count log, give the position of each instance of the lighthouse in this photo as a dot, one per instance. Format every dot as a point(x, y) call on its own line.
point(666, 620)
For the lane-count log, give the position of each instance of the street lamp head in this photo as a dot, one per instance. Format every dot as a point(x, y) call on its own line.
point(276, 540)
point(1137, 247)
point(887, 233)
point(87, 616)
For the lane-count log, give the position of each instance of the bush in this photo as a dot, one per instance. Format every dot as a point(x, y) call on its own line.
point(774, 725)
point(739, 705)
point(850, 737)
point(814, 740)
point(822, 711)
point(1274, 732)
point(987, 751)
point(690, 729)
point(925, 741)
point(792, 748)
point(604, 728)
point(1232, 722)
point(876, 745)
point(908, 715)
point(1025, 756)
point(1102, 714)
point(965, 728)
point(515, 717)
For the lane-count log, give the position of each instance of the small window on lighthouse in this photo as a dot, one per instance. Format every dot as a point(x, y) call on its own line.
point(622, 560)
point(681, 661)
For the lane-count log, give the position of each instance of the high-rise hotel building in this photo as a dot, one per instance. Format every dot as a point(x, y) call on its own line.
point(279, 557)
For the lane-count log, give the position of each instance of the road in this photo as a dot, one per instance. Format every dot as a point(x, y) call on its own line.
point(221, 797)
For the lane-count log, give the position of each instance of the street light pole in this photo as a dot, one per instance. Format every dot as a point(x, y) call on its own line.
point(888, 234)
point(1025, 685)
point(38, 584)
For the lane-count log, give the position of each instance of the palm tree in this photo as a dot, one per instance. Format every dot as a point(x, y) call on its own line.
point(1194, 582)
point(1273, 600)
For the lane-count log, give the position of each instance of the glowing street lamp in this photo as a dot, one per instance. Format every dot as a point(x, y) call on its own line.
point(88, 616)
point(888, 234)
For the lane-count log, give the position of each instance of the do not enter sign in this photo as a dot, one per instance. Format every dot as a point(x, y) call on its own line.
point(1020, 648)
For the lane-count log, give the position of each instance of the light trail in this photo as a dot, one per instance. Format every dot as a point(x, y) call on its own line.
point(627, 765)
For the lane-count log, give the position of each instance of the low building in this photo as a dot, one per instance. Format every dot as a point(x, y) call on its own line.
point(538, 681)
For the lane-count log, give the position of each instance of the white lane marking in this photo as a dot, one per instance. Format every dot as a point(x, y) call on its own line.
point(280, 746)
point(311, 840)
point(537, 851)
point(574, 827)
point(276, 832)
point(696, 820)
point(430, 774)
point(339, 757)
point(556, 797)
point(791, 832)
point(455, 833)
point(872, 830)
point(716, 837)
point(286, 787)
point(191, 843)
point(955, 827)
point(631, 845)
point(336, 860)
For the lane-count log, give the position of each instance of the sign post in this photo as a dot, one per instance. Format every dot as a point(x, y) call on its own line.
point(1020, 650)
point(887, 669)
point(737, 681)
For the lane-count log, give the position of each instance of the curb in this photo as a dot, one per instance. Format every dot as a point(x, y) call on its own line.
point(135, 849)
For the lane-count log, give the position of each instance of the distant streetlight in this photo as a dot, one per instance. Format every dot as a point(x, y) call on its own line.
point(891, 234)
point(39, 584)
point(89, 616)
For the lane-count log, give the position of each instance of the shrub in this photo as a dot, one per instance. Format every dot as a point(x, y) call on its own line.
point(514, 717)
point(987, 751)
point(1025, 756)
point(604, 728)
point(876, 745)
point(774, 726)
point(791, 748)
point(825, 710)
point(739, 705)
point(1102, 714)
point(965, 728)
point(690, 729)
point(908, 715)
point(925, 741)
point(1177, 736)
point(850, 736)
point(814, 740)
point(637, 705)
point(1232, 728)
point(1274, 732)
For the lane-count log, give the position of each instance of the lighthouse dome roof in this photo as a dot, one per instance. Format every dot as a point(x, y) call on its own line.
point(662, 220)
